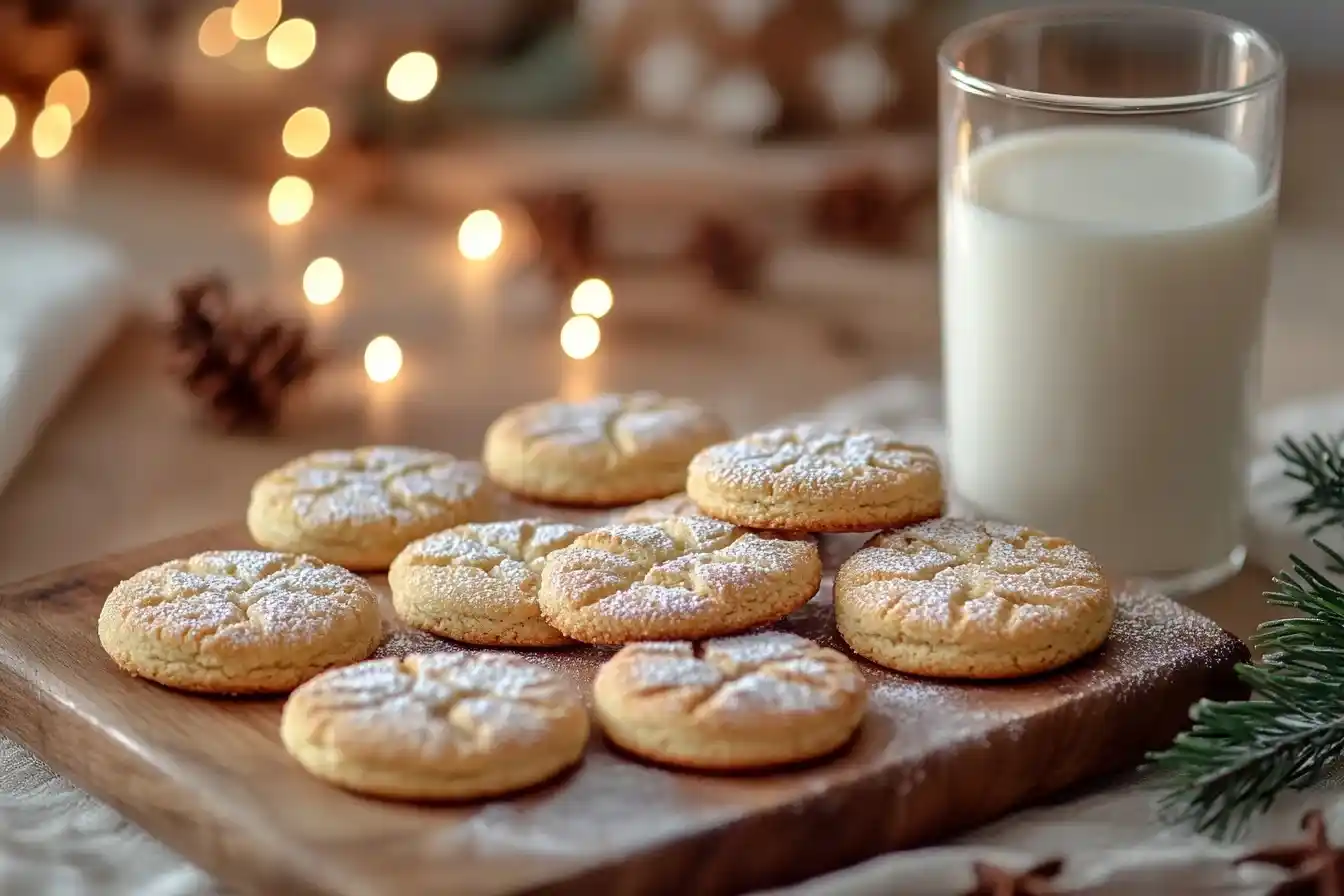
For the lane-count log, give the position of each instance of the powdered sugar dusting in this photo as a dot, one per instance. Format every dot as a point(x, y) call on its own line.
point(244, 598)
point(809, 456)
point(622, 424)
point(375, 484)
point(478, 701)
point(659, 575)
point(773, 673)
point(964, 576)
point(494, 547)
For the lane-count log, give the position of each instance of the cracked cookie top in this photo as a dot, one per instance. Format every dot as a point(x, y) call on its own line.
point(819, 478)
point(685, 577)
point(239, 621)
point(478, 582)
point(749, 701)
point(442, 724)
point(972, 584)
point(609, 450)
point(360, 507)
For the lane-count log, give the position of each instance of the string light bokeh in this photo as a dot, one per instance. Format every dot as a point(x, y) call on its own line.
point(71, 90)
point(306, 132)
point(290, 201)
point(254, 19)
point(323, 281)
point(481, 234)
point(382, 359)
point(591, 297)
point(291, 44)
point(51, 131)
point(412, 77)
point(9, 120)
point(580, 337)
point(215, 37)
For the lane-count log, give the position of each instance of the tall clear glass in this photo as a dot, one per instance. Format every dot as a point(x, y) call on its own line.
point(1109, 186)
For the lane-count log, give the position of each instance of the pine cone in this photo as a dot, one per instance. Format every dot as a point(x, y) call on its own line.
point(240, 364)
point(566, 227)
point(731, 257)
point(860, 208)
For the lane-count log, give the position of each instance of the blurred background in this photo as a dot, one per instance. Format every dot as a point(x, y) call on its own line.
point(232, 233)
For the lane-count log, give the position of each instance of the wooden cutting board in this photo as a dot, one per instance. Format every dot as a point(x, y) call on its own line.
point(210, 778)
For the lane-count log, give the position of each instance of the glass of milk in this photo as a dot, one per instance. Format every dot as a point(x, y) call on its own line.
point(1109, 181)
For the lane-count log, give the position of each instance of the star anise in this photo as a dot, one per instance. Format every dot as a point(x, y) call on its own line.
point(565, 222)
point(860, 207)
point(991, 880)
point(727, 252)
point(1314, 866)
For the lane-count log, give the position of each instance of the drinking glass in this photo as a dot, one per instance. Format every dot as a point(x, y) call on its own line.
point(1109, 183)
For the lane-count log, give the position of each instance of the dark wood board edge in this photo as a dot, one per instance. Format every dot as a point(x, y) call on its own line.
point(857, 820)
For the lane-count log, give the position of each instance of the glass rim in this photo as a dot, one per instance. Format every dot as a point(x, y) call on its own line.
point(961, 38)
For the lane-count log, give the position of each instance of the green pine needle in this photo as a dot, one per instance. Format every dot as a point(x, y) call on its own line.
point(1238, 756)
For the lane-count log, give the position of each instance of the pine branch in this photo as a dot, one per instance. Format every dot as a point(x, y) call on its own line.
point(1318, 464)
point(1240, 755)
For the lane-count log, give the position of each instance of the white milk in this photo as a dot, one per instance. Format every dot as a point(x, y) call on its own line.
point(1103, 291)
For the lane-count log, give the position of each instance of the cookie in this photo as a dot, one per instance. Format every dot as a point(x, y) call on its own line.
point(659, 509)
point(688, 577)
point(478, 583)
point(817, 479)
point(748, 702)
point(441, 726)
point(955, 598)
point(604, 452)
point(359, 508)
point(239, 622)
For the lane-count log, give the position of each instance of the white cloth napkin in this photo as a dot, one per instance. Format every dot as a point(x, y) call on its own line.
point(60, 303)
point(56, 840)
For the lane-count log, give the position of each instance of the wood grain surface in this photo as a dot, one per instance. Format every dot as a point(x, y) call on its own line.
point(210, 778)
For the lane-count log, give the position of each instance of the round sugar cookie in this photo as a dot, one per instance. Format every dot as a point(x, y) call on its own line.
point(360, 507)
point(953, 598)
point(748, 702)
point(688, 577)
point(478, 583)
point(817, 479)
point(607, 451)
point(441, 726)
point(659, 509)
point(239, 622)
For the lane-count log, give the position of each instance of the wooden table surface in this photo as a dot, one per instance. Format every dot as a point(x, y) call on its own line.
point(123, 463)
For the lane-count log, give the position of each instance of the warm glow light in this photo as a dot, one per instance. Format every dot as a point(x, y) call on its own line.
point(51, 131)
point(382, 359)
point(216, 37)
point(253, 19)
point(291, 43)
point(306, 132)
point(9, 119)
point(291, 200)
point(480, 235)
point(580, 336)
point(412, 77)
point(323, 281)
point(71, 90)
point(591, 297)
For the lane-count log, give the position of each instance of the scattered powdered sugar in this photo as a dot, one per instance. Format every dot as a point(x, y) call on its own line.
point(810, 455)
point(374, 484)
